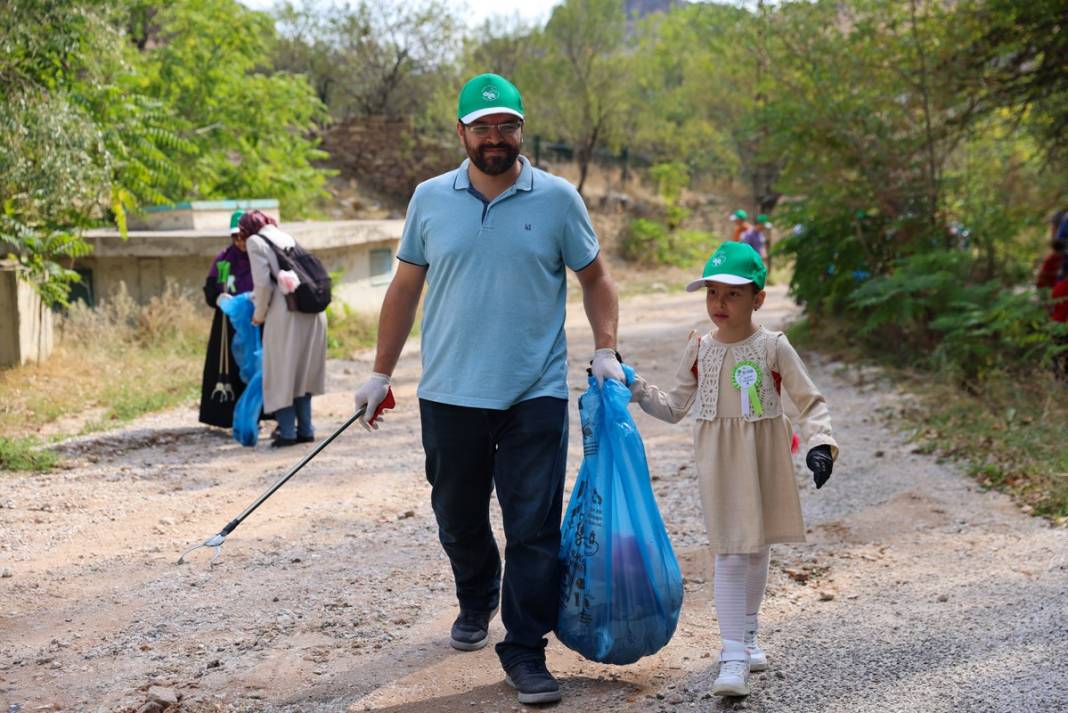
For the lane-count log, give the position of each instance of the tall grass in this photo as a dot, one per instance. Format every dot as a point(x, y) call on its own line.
point(115, 361)
point(349, 330)
point(1010, 433)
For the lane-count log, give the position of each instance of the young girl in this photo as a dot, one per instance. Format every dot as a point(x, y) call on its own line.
point(742, 442)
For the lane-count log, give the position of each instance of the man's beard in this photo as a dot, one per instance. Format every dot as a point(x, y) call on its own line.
point(496, 164)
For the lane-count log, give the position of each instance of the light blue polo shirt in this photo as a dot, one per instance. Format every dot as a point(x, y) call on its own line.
point(493, 319)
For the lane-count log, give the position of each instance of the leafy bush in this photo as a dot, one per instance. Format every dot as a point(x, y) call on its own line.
point(834, 251)
point(649, 242)
point(644, 241)
point(348, 330)
point(930, 306)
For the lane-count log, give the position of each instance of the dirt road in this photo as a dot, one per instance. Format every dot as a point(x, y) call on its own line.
point(916, 592)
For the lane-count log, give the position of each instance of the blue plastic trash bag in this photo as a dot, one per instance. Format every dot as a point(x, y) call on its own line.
point(621, 587)
point(248, 352)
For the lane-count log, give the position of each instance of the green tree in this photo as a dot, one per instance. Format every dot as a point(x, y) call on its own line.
point(74, 143)
point(371, 59)
point(107, 106)
point(701, 81)
point(682, 107)
point(575, 88)
point(912, 189)
point(1015, 61)
point(866, 110)
point(252, 129)
point(506, 47)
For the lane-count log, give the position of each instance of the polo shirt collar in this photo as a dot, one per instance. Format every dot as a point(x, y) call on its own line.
point(525, 182)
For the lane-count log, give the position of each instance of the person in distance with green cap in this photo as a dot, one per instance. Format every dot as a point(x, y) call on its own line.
point(742, 444)
point(741, 224)
point(230, 274)
point(491, 241)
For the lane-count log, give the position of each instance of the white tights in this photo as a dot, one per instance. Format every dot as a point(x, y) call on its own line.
point(739, 589)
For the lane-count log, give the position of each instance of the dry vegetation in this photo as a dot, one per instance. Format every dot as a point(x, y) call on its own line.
point(1010, 434)
point(111, 363)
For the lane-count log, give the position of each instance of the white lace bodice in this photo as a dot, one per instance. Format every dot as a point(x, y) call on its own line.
point(758, 348)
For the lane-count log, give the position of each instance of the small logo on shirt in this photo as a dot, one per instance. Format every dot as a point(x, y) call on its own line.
point(526, 226)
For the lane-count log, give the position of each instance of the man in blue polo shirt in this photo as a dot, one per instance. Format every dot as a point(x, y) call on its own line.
point(492, 241)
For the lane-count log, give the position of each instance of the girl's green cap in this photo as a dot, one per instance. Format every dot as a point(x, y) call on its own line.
point(235, 218)
point(732, 264)
point(488, 94)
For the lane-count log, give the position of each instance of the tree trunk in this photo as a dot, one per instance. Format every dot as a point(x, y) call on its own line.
point(584, 165)
point(929, 139)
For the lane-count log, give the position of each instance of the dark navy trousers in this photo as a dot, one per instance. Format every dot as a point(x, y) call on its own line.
point(522, 452)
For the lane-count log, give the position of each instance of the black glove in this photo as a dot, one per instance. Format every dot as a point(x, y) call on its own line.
point(820, 461)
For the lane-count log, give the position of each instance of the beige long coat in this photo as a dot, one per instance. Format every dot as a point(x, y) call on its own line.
point(745, 473)
point(294, 343)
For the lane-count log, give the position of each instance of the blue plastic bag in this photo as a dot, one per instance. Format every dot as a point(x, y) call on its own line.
point(621, 587)
point(248, 352)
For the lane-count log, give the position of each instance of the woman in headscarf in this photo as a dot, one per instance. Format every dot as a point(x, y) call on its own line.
point(230, 274)
point(294, 343)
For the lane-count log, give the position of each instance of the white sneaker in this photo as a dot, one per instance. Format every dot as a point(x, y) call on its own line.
point(758, 660)
point(733, 679)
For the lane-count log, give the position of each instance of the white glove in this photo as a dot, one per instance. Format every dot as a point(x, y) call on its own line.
point(606, 366)
point(371, 394)
point(223, 296)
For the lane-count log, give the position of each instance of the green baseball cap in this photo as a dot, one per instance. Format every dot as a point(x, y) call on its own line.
point(733, 264)
point(235, 218)
point(762, 219)
point(488, 94)
point(740, 215)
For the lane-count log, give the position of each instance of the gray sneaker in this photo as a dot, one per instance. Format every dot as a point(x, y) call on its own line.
point(533, 682)
point(469, 631)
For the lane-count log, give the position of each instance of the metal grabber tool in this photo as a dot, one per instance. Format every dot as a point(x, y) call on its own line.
point(216, 541)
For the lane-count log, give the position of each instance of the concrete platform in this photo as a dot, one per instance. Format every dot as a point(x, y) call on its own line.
point(363, 251)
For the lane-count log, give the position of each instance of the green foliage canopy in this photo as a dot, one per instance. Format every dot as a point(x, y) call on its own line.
point(109, 106)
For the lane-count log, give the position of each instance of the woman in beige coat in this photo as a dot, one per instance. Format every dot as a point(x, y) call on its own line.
point(294, 343)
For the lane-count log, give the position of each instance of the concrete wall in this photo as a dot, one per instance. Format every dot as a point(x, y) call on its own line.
point(25, 323)
point(199, 215)
point(147, 260)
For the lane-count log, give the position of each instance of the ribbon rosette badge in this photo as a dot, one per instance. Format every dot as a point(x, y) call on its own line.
point(746, 378)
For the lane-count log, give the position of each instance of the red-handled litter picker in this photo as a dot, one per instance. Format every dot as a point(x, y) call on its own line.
point(216, 541)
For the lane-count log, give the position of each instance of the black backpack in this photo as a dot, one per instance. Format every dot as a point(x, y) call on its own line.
point(313, 293)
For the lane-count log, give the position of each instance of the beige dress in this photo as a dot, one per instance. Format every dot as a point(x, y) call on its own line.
point(294, 343)
point(744, 468)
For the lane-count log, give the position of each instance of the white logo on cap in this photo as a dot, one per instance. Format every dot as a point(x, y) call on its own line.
point(490, 93)
point(717, 261)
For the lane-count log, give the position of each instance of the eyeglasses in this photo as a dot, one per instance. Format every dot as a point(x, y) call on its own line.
point(506, 129)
